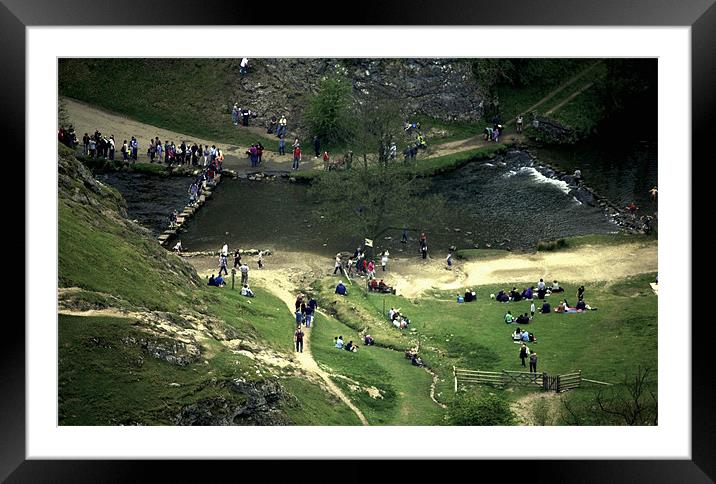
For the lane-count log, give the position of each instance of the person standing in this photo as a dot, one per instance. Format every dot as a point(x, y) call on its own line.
point(533, 362)
point(339, 265)
point(580, 293)
point(85, 144)
point(518, 123)
point(260, 259)
point(384, 259)
point(532, 311)
point(244, 67)
point(244, 273)
point(448, 260)
point(134, 144)
point(298, 337)
point(282, 145)
point(296, 157)
point(111, 147)
point(317, 145)
point(326, 161)
point(424, 249)
point(282, 126)
point(245, 113)
point(125, 151)
point(524, 353)
point(237, 258)
point(259, 152)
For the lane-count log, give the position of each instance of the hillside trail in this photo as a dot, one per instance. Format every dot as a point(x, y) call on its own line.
point(477, 141)
point(87, 118)
point(282, 281)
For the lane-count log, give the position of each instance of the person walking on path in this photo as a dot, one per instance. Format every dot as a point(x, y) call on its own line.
point(298, 337)
point(518, 123)
point(339, 265)
point(244, 273)
point(282, 145)
point(237, 258)
point(524, 353)
point(384, 259)
point(222, 265)
point(533, 362)
point(448, 261)
point(260, 259)
point(296, 157)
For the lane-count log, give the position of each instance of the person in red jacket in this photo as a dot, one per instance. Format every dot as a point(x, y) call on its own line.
point(296, 157)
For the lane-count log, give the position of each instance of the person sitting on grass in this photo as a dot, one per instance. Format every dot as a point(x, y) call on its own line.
point(581, 305)
point(368, 340)
point(470, 295)
point(514, 295)
point(556, 288)
point(219, 281)
point(508, 318)
point(517, 335)
point(561, 308)
point(351, 347)
point(341, 289)
point(338, 342)
point(522, 319)
point(502, 297)
point(546, 308)
point(416, 361)
point(384, 288)
point(527, 293)
point(246, 291)
point(525, 336)
point(212, 281)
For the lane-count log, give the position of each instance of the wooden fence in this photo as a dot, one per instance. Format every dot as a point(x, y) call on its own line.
point(504, 378)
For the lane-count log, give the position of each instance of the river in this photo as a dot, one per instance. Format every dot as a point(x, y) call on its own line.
point(503, 203)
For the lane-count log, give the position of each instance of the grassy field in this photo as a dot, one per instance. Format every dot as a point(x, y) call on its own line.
point(606, 344)
point(404, 389)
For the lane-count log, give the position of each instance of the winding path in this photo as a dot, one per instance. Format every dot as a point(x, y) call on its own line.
point(305, 360)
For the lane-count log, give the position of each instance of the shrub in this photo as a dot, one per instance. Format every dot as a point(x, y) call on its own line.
point(541, 412)
point(327, 112)
point(550, 245)
point(472, 409)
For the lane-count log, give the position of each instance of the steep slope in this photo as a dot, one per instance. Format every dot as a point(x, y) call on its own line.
point(143, 340)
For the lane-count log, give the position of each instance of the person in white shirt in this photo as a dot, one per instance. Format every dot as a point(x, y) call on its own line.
point(384, 259)
point(244, 66)
point(225, 250)
point(246, 291)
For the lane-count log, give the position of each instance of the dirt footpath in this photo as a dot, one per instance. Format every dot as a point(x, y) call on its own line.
point(87, 119)
point(413, 276)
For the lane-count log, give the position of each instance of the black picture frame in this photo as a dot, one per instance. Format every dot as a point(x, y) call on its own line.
point(15, 15)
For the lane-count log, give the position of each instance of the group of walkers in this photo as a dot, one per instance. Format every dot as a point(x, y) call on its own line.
point(100, 146)
point(187, 153)
point(305, 312)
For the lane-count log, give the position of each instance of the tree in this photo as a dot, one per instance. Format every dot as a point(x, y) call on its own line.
point(633, 402)
point(366, 200)
point(328, 111)
point(471, 409)
point(376, 123)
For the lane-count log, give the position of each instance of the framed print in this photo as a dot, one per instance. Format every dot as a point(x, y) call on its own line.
point(214, 181)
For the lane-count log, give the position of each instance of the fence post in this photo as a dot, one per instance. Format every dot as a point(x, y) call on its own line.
point(545, 381)
point(559, 383)
point(454, 372)
point(580, 378)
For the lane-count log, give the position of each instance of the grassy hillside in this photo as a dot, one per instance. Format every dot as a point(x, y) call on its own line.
point(181, 352)
point(606, 344)
point(188, 97)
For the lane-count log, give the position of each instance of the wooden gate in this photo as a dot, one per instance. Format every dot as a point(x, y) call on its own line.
point(501, 379)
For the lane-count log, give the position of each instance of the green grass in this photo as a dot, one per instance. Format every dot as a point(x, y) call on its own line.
point(190, 96)
point(570, 243)
point(405, 389)
point(103, 381)
point(605, 344)
point(477, 254)
point(441, 164)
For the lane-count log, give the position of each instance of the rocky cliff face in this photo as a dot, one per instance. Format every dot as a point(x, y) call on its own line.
point(440, 88)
